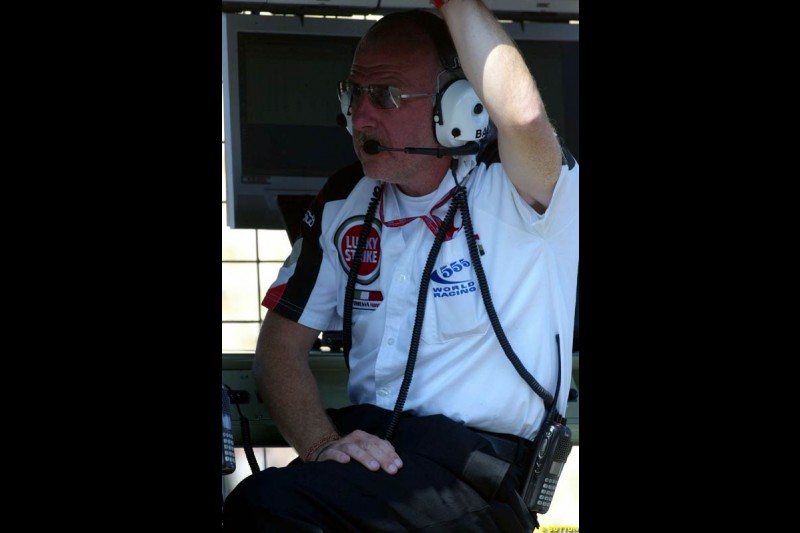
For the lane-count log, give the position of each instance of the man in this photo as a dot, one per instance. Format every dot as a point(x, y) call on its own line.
point(442, 442)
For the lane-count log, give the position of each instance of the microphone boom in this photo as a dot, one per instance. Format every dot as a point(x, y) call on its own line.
point(373, 147)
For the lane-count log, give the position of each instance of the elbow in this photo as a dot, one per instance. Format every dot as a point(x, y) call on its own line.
point(530, 118)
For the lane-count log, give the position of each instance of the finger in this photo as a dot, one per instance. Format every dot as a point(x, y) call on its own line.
point(361, 455)
point(371, 451)
point(343, 450)
point(333, 451)
point(360, 448)
point(386, 455)
point(382, 450)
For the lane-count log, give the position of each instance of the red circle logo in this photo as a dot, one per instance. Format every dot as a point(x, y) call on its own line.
point(347, 238)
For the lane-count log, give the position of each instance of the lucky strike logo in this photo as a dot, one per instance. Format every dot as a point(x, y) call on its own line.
point(346, 241)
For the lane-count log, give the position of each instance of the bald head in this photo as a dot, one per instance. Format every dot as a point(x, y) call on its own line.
point(412, 32)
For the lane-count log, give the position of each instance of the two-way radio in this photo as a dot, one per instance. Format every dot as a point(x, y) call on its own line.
point(546, 466)
point(228, 457)
point(553, 444)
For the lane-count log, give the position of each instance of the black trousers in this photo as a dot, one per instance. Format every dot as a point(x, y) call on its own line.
point(450, 481)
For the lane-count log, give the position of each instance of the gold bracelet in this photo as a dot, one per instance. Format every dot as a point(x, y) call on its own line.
point(307, 458)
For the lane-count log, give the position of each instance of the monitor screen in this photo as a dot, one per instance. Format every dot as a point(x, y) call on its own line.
point(282, 139)
point(288, 104)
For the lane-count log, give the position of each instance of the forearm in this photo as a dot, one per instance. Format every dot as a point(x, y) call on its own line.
point(284, 380)
point(492, 63)
point(497, 71)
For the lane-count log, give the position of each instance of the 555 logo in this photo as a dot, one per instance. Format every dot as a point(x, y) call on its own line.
point(453, 279)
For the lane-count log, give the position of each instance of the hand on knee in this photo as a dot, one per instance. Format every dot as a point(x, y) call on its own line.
point(369, 450)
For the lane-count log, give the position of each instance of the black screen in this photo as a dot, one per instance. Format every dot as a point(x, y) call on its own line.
point(289, 105)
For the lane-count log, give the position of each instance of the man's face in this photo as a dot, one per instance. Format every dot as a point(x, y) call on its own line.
point(411, 124)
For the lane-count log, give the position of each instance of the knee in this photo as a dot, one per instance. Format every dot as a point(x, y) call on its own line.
point(235, 508)
point(251, 497)
point(261, 501)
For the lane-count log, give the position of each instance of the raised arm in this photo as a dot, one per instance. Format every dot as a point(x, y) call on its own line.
point(497, 71)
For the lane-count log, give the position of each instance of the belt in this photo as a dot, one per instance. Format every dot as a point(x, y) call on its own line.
point(509, 448)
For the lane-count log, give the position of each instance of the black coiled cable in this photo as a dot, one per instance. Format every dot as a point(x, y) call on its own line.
point(244, 424)
point(347, 318)
point(461, 198)
point(417, 331)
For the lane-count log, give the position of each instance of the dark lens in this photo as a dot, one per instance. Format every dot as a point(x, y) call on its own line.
point(382, 96)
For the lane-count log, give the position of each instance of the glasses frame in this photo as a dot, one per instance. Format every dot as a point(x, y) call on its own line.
point(376, 92)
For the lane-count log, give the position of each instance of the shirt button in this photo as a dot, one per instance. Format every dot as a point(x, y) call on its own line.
point(402, 277)
point(383, 392)
point(390, 342)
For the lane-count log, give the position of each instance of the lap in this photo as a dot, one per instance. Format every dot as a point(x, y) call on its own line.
point(349, 497)
point(427, 494)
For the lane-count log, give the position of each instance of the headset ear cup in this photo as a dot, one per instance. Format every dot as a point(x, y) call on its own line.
point(459, 116)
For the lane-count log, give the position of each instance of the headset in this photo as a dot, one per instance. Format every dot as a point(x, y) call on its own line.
point(459, 116)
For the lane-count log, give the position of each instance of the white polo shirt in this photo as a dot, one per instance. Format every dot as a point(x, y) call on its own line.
point(531, 264)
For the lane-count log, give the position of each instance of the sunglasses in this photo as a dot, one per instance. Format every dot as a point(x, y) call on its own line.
point(381, 96)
